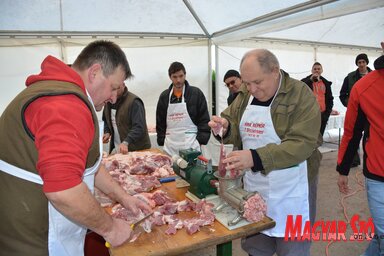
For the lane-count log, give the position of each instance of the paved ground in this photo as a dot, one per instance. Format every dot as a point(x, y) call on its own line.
point(328, 209)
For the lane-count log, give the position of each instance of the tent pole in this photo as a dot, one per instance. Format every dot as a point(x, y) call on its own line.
point(217, 72)
point(210, 95)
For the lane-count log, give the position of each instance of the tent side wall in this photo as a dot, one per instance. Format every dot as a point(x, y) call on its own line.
point(149, 60)
point(295, 59)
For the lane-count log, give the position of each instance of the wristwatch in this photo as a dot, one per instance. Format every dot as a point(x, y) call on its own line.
point(125, 143)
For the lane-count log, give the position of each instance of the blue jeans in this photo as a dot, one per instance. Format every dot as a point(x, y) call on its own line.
point(375, 192)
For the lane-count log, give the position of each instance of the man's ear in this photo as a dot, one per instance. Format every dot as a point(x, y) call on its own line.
point(93, 71)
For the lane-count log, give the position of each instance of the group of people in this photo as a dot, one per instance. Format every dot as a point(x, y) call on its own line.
point(181, 118)
point(52, 143)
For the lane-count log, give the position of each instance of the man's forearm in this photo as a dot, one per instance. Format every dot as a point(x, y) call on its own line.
point(79, 205)
point(105, 183)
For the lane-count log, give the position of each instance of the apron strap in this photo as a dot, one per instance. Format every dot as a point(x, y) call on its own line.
point(20, 173)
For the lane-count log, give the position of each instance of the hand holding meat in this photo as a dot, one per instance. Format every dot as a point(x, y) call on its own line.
point(239, 160)
point(134, 205)
point(219, 125)
point(121, 231)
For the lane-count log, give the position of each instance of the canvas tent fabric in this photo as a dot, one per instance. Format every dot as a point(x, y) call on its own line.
point(204, 35)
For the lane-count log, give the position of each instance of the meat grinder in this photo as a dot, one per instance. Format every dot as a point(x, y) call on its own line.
point(196, 170)
point(231, 194)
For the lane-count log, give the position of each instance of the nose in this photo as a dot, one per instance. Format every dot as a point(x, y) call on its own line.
point(113, 98)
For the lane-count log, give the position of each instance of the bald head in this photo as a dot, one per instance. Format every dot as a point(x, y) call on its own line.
point(266, 60)
point(260, 71)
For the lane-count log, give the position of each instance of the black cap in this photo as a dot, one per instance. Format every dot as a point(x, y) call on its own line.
point(231, 73)
point(361, 56)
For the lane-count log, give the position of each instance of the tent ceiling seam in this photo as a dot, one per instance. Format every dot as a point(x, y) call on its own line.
point(273, 15)
point(196, 17)
point(310, 43)
point(74, 34)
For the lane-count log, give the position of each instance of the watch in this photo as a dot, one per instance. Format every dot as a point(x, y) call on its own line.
point(125, 143)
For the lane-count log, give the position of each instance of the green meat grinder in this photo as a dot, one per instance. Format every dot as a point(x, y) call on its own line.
point(197, 171)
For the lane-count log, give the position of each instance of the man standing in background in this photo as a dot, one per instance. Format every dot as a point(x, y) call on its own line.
point(232, 80)
point(125, 123)
point(182, 114)
point(321, 88)
point(361, 62)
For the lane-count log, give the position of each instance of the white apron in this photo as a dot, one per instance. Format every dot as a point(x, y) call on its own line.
point(181, 131)
point(116, 136)
point(65, 238)
point(285, 190)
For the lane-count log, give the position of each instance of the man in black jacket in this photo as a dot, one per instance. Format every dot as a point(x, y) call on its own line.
point(321, 88)
point(182, 114)
point(361, 62)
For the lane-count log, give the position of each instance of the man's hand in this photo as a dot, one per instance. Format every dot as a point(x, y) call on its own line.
point(239, 160)
point(217, 122)
point(120, 232)
point(134, 204)
point(123, 148)
point(315, 78)
point(343, 184)
point(106, 137)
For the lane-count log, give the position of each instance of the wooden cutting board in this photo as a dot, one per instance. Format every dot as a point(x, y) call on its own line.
point(158, 243)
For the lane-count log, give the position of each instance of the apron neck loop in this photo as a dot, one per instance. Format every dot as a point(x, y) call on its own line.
point(182, 95)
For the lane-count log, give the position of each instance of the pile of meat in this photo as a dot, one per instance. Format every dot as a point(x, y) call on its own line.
point(141, 163)
point(136, 172)
point(255, 208)
point(166, 213)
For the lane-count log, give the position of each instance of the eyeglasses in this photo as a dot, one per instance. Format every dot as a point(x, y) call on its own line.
point(231, 83)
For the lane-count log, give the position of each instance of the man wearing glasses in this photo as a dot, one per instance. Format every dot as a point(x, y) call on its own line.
point(232, 80)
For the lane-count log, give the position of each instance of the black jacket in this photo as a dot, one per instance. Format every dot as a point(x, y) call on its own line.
point(349, 81)
point(197, 110)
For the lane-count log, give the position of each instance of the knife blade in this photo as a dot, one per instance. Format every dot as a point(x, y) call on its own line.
point(140, 220)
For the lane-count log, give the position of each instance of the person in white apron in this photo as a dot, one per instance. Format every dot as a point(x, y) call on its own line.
point(181, 131)
point(276, 121)
point(286, 190)
point(181, 114)
point(65, 237)
point(31, 129)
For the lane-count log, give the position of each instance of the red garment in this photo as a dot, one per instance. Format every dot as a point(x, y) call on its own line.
point(319, 92)
point(63, 129)
point(365, 112)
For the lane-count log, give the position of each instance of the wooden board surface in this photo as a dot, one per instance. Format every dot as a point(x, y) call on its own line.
point(159, 243)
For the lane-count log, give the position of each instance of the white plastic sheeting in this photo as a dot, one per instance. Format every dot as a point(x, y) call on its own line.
point(149, 66)
point(154, 33)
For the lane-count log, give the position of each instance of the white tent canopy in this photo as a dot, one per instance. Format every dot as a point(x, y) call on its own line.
point(154, 33)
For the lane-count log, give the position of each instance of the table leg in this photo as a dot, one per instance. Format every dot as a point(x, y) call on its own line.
point(224, 249)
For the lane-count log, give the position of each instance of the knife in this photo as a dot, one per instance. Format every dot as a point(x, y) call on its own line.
point(108, 245)
point(140, 220)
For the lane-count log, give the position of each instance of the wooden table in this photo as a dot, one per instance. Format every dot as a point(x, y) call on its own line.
point(158, 243)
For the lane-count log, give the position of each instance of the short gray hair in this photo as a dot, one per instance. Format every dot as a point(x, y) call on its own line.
point(266, 59)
